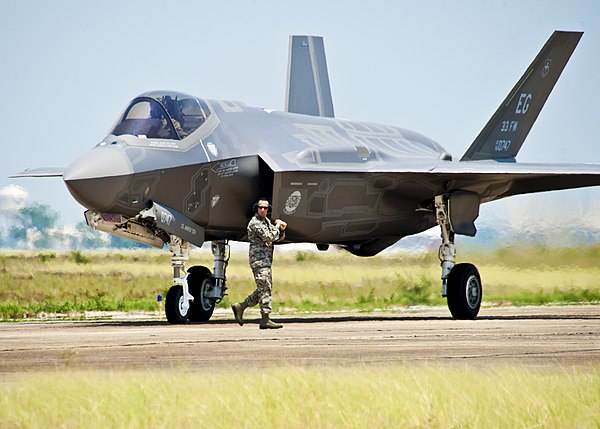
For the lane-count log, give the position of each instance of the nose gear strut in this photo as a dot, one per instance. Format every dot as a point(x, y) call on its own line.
point(195, 292)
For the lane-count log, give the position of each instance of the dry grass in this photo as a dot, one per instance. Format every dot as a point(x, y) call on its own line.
point(318, 397)
point(128, 280)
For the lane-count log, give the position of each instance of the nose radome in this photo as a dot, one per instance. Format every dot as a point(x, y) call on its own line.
point(97, 163)
point(98, 178)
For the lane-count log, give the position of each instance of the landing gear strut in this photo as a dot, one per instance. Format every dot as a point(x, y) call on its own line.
point(196, 292)
point(461, 283)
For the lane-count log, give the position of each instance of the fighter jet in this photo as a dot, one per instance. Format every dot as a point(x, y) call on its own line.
point(176, 169)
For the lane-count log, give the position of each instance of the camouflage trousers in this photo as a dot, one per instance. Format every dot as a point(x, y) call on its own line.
point(262, 293)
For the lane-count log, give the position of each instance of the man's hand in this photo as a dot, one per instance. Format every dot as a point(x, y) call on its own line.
point(280, 224)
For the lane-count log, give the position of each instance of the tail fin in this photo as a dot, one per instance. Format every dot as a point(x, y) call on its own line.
point(308, 89)
point(504, 134)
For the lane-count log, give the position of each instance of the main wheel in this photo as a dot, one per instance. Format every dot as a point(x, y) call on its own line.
point(464, 291)
point(174, 310)
point(200, 282)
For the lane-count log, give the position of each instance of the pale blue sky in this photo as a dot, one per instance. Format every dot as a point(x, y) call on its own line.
point(67, 68)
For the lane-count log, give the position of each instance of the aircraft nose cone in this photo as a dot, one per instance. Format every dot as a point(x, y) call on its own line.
point(98, 178)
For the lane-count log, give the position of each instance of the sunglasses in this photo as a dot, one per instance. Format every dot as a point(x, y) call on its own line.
point(263, 208)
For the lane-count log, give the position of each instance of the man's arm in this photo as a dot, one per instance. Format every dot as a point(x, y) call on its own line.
point(265, 231)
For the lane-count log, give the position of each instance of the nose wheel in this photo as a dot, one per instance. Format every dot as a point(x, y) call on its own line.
point(195, 293)
point(201, 287)
point(175, 308)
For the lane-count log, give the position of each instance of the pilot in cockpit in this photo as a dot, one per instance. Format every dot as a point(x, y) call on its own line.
point(160, 129)
point(160, 115)
point(174, 110)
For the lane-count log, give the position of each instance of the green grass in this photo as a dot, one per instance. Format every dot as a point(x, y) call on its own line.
point(73, 282)
point(393, 396)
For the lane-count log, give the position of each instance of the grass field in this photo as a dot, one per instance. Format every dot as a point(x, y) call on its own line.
point(33, 283)
point(393, 396)
point(354, 396)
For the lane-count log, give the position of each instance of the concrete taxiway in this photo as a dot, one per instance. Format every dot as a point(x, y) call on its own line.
point(530, 336)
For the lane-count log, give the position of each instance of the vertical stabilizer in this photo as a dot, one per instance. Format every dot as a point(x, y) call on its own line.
point(308, 90)
point(504, 134)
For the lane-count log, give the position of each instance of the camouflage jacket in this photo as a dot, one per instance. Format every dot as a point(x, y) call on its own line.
point(261, 234)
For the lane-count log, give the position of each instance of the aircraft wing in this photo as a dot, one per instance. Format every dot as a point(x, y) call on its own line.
point(491, 180)
point(41, 172)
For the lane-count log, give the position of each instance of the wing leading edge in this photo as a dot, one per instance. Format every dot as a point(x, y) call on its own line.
point(40, 172)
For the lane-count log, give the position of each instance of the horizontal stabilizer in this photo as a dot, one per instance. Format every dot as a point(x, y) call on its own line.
point(308, 90)
point(504, 134)
point(41, 172)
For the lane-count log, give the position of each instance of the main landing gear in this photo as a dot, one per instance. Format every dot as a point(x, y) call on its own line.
point(196, 292)
point(461, 283)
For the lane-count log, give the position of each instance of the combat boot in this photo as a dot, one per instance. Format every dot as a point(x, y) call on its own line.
point(266, 323)
point(238, 311)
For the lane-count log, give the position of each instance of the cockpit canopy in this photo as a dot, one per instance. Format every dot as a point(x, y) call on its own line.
point(162, 115)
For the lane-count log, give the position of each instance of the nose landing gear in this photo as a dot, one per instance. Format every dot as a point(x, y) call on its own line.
point(196, 292)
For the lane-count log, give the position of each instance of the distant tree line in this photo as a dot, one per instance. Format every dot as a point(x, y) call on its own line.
point(35, 226)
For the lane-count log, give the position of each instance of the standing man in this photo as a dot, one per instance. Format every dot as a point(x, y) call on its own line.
point(261, 234)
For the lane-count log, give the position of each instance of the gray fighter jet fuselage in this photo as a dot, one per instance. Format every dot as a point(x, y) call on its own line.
point(327, 176)
point(179, 169)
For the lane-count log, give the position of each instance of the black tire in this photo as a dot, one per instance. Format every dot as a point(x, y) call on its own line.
point(173, 306)
point(465, 292)
point(200, 280)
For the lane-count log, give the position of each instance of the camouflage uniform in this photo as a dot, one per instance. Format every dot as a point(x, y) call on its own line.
point(261, 234)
